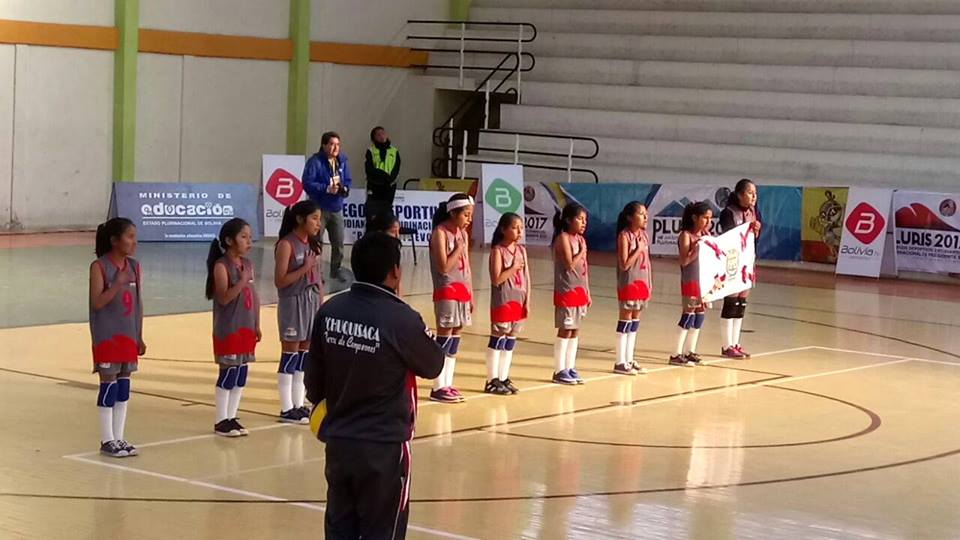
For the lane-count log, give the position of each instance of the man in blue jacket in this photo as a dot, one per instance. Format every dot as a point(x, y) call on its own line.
point(368, 349)
point(327, 181)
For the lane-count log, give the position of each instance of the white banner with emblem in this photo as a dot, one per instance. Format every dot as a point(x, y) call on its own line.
point(501, 187)
point(727, 263)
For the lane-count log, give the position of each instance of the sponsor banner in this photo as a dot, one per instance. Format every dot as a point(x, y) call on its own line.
point(604, 203)
point(502, 189)
point(779, 210)
point(281, 188)
point(666, 211)
point(414, 209)
point(864, 232)
point(822, 223)
point(727, 263)
point(541, 200)
point(927, 231)
point(174, 212)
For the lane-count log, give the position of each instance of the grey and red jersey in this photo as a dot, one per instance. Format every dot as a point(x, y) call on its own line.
point(457, 284)
point(634, 283)
point(508, 301)
point(690, 274)
point(235, 323)
point(299, 249)
point(571, 288)
point(116, 328)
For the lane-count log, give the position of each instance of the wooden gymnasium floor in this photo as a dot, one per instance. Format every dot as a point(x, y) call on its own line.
point(842, 425)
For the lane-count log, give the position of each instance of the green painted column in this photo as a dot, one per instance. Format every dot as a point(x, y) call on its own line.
point(125, 90)
point(298, 89)
point(459, 10)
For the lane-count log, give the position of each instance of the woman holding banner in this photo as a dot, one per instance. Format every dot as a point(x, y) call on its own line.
point(741, 208)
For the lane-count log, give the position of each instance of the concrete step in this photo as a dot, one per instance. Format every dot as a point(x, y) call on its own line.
point(908, 7)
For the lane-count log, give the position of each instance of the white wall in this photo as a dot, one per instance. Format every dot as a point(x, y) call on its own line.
point(63, 143)
point(90, 12)
point(159, 99)
point(260, 18)
point(6, 131)
point(378, 23)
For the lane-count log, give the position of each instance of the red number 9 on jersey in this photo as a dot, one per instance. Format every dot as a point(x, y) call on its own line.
point(127, 303)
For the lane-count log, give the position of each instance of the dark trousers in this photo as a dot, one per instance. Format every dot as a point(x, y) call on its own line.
point(332, 222)
point(368, 490)
point(376, 207)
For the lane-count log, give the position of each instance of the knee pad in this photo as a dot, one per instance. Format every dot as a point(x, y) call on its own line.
point(634, 326)
point(123, 389)
point(624, 326)
point(242, 375)
point(227, 378)
point(729, 310)
point(454, 345)
point(698, 320)
point(107, 397)
point(741, 308)
point(495, 343)
point(686, 321)
point(509, 343)
point(302, 360)
point(288, 363)
point(445, 343)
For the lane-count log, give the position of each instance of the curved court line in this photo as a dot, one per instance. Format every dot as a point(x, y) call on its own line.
point(875, 422)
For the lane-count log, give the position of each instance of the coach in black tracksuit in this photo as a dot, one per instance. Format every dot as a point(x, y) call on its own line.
point(367, 350)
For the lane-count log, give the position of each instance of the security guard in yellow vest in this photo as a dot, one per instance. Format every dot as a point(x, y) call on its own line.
point(382, 165)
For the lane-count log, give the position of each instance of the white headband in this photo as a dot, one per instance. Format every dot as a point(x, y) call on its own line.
point(460, 203)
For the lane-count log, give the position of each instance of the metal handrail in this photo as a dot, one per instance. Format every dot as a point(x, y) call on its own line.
point(591, 172)
point(475, 23)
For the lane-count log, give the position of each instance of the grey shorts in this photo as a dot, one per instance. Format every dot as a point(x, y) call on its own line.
point(633, 305)
point(116, 368)
point(295, 315)
point(452, 314)
point(232, 360)
point(506, 328)
point(567, 318)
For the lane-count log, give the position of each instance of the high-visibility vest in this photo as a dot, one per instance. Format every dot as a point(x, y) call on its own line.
point(387, 164)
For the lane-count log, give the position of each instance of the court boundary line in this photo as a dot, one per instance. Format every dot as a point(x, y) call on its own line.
point(317, 507)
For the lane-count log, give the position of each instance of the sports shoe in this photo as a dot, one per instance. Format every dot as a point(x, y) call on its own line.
point(131, 449)
point(113, 449)
point(623, 369)
point(741, 351)
point(576, 375)
point(456, 393)
point(639, 369)
point(444, 395)
point(239, 427)
point(510, 386)
point(225, 428)
point(564, 377)
point(680, 360)
point(496, 387)
point(304, 411)
point(731, 352)
point(294, 416)
point(694, 357)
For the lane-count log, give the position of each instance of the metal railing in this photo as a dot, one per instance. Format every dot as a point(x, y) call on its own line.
point(517, 150)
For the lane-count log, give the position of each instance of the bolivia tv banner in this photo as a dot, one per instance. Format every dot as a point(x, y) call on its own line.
point(861, 250)
point(173, 212)
point(927, 231)
point(281, 188)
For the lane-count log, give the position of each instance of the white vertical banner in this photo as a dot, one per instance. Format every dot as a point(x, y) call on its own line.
point(281, 188)
point(727, 263)
point(502, 191)
point(864, 232)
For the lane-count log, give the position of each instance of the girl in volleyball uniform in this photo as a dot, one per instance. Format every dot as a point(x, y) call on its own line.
point(695, 225)
point(571, 289)
point(634, 283)
point(452, 287)
point(509, 302)
point(741, 208)
point(116, 329)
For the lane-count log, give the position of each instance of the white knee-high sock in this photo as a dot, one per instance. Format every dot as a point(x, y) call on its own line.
point(572, 352)
point(233, 402)
point(735, 332)
point(622, 342)
point(726, 333)
point(493, 363)
point(631, 345)
point(106, 424)
point(560, 354)
point(222, 398)
point(506, 358)
point(297, 390)
point(285, 385)
point(692, 337)
point(449, 368)
point(681, 341)
point(119, 419)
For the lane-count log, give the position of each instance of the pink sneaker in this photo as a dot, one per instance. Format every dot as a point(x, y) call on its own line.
point(443, 395)
point(732, 352)
point(741, 351)
point(456, 393)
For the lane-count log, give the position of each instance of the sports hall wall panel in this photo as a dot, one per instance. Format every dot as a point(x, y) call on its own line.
point(6, 131)
point(87, 12)
point(159, 98)
point(256, 18)
point(379, 23)
point(63, 145)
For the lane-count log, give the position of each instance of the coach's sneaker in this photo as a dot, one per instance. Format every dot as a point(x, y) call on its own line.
point(741, 351)
point(239, 427)
point(131, 449)
point(225, 428)
point(576, 375)
point(113, 449)
point(563, 377)
point(681, 360)
point(731, 352)
point(624, 369)
point(510, 386)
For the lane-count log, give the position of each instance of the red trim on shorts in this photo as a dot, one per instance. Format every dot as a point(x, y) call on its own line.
point(243, 341)
point(638, 290)
point(510, 312)
point(578, 297)
point(119, 349)
point(458, 292)
point(691, 289)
